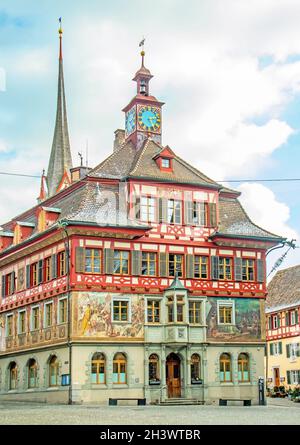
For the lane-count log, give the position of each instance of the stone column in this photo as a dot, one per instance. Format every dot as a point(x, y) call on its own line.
point(205, 373)
point(163, 372)
point(146, 377)
point(188, 370)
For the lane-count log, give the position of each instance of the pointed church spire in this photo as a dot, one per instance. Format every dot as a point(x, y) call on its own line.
point(60, 159)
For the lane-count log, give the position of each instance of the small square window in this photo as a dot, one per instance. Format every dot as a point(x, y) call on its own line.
point(165, 163)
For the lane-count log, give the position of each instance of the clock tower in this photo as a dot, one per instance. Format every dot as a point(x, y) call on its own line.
point(143, 113)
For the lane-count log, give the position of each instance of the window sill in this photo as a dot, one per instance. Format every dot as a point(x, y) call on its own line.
point(121, 322)
point(149, 323)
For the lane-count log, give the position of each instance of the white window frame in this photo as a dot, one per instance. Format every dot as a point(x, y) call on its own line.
point(19, 320)
point(6, 324)
point(31, 318)
point(274, 324)
point(293, 351)
point(143, 205)
point(58, 311)
point(294, 377)
point(174, 208)
point(129, 310)
point(151, 298)
point(167, 160)
point(292, 318)
point(276, 348)
point(44, 321)
point(229, 303)
point(185, 312)
point(202, 322)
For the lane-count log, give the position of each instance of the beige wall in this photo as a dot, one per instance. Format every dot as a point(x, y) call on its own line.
point(43, 393)
point(282, 362)
point(234, 389)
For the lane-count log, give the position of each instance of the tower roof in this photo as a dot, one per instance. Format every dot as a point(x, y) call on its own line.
point(143, 71)
point(176, 284)
point(60, 158)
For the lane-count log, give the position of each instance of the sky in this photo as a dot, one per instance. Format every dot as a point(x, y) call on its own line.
point(227, 70)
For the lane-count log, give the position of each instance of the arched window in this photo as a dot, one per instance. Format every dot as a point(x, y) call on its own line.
point(225, 368)
point(98, 368)
point(195, 368)
point(243, 366)
point(53, 371)
point(119, 369)
point(32, 373)
point(153, 369)
point(13, 375)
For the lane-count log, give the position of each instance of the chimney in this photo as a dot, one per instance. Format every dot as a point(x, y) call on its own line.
point(119, 139)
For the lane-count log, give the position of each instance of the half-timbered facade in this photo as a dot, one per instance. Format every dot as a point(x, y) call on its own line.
point(283, 329)
point(141, 277)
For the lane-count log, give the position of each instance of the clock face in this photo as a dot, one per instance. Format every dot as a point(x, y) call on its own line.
point(130, 121)
point(149, 118)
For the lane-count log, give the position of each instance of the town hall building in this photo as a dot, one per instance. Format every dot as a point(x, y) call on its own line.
point(141, 277)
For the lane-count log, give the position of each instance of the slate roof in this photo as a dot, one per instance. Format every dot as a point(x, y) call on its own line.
point(92, 203)
point(89, 202)
point(235, 221)
point(130, 163)
point(284, 289)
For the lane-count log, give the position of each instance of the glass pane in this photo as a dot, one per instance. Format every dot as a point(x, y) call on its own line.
point(53, 381)
point(222, 376)
point(228, 376)
point(94, 377)
point(176, 372)
point(102, 378)
point(115, 377)
point(179, 312)
point(122, 377)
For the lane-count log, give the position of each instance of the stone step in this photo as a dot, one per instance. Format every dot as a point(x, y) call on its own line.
point(181, 401)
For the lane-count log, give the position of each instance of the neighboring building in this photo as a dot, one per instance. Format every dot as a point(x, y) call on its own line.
point(139, 278)
point(283, 329)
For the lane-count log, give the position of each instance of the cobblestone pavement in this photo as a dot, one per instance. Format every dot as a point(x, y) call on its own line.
point(278, 412)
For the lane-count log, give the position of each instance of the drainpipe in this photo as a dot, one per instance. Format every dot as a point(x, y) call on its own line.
point(63, 225)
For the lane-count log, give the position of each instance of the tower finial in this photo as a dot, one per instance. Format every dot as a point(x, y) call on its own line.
point(141, 44)
point(60, 32)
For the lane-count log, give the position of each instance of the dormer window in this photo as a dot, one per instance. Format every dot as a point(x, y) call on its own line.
point(165, 159)
point(166, 163)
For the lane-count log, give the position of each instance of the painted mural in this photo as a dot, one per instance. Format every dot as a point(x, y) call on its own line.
point(2, 333)
point(247, 325)
point(93, 316)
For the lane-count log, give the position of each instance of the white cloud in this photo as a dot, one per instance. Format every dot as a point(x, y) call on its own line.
point(3, 146)
point(32, 62)
point(265, 210)
point(210, 77)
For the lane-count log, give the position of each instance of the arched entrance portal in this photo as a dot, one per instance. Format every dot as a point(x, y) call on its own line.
point(173, 375)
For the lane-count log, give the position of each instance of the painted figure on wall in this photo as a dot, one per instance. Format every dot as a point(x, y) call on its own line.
point(94, 315)
point(2, 333)
point(247, 325)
